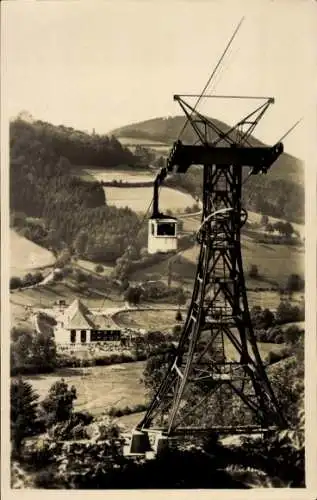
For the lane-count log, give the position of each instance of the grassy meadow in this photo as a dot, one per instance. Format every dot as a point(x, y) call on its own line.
point(275, 263)
point(98, 387)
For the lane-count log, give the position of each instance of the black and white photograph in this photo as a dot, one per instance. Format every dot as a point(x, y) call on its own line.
point(155, 230)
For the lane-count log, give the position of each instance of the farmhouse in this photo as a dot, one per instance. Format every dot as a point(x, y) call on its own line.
point(77, 325)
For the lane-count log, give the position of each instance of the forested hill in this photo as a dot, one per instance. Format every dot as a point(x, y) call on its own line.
point(280, 193)
point(82, 148)
point(52, 207)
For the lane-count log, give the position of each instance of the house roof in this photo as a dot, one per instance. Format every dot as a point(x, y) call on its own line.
point(77, 316)
point(104, 323)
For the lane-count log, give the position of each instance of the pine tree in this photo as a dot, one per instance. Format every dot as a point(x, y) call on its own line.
point(23, 412)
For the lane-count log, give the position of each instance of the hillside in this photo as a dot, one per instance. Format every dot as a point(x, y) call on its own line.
point(274, 262)
point(279, 194)
point(55, 208)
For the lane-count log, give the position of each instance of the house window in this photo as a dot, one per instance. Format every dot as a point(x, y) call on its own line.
point(116, 335)
point(73, 336)
point(83, 336)
point(97, 336)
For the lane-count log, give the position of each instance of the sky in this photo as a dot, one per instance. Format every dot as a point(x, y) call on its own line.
point(104, 64)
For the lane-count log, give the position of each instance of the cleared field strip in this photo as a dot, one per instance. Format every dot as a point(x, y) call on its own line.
point(139, 198)
point(27, 256)
point(130, 176)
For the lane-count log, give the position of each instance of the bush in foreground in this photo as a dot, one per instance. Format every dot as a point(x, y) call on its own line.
point(58, 404)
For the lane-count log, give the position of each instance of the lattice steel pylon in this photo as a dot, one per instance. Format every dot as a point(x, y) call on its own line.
point(216, 380)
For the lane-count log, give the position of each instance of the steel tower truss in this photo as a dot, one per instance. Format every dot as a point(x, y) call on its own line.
point(216, 380)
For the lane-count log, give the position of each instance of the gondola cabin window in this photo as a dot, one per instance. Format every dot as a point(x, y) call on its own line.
point(162, 235)
point(166, 229)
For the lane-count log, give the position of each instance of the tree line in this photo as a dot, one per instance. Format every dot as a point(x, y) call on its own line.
point(82, 148)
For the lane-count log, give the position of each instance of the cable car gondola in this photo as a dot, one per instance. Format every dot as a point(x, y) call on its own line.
point(162, 229)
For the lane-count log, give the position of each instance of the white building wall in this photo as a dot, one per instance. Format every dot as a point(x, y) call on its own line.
point(62, 336)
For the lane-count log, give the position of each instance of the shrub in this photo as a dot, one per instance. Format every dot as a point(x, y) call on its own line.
point(254, 271)
point(127, 410)
point(295, 283)
point(178, 316)
point(49, 319)
point(286, 313)
point(73, 428)
point(293, 334)
point(274, 357)
point(99, 268)
point(264, 220)
point(15, 282)
point(58, 276)
point(133, 295)
point(46, 478)
point(177, 329)
point(154, 337)
point(80, 277)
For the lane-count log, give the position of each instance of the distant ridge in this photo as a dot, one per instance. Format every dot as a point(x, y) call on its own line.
point(166, 130)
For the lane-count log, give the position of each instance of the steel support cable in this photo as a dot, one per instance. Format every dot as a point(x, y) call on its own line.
point(213, 73)
point(135, 231)
point(138, 226)
point(289, 131)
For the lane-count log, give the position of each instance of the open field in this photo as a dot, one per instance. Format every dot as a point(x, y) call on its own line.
point(163, 320)
point(136, 198)
point(139, 198)
point(26, 256)
point(98, 387)
point(142, 141)
point(108, 175)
